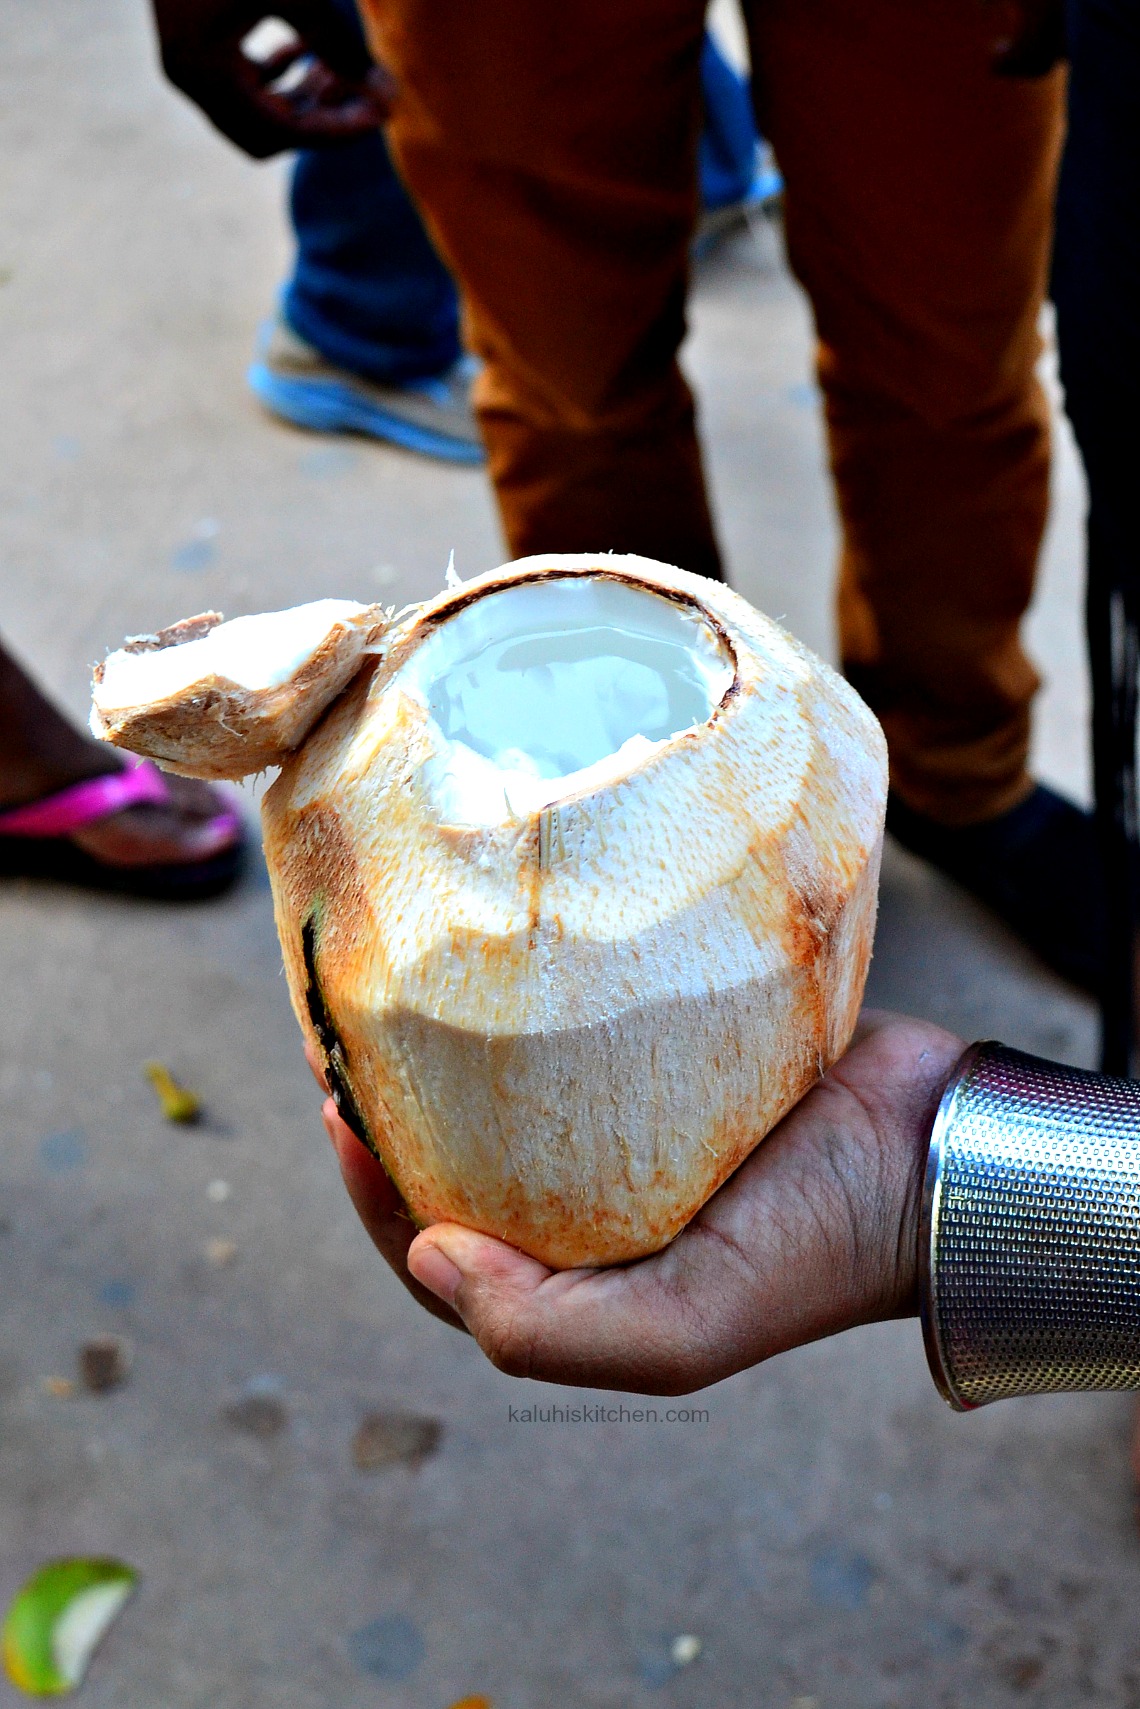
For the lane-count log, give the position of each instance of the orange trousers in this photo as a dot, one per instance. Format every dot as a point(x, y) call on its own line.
point(552, 151)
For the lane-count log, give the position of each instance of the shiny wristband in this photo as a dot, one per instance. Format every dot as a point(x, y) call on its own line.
point(1029, 1242)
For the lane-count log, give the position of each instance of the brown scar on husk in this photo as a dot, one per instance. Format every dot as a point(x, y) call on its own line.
point(175, 634)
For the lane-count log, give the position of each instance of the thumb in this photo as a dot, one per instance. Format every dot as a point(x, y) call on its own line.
point(477, 1276)
point(624, 1327)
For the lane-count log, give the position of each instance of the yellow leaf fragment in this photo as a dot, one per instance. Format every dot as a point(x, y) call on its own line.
point(473, 1703)
point(57, 1620)
point(178, 1103)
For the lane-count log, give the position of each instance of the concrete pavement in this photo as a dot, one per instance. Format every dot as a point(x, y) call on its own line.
point(834, 1537)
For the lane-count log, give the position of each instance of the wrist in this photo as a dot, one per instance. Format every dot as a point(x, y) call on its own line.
point(934, 1073)
point(899, 1088)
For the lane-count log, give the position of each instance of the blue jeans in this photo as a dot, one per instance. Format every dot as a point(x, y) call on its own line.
point(1096, 288)
point(368, 290)
point(726, 156)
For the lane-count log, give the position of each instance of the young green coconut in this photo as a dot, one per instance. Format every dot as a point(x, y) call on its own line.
point(575, 882)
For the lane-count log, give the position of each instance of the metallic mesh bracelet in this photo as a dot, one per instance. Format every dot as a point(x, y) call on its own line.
point(1029, 1245)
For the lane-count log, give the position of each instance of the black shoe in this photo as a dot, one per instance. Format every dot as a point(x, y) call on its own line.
point(1037, 866)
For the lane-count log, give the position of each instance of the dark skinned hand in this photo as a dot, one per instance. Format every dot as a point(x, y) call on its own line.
point(816, 1232)
point(1029, 36)
point(320, 89)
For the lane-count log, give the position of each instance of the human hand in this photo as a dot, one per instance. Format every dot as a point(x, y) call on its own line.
point(1029, 37)
point(816, 1232)
point(337, 92)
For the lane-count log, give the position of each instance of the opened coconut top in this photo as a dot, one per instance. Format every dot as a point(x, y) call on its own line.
point(548, 686)
point(556, 686)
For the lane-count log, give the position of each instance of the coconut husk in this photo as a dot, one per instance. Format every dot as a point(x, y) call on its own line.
point(216, 728)
point(570, 1028)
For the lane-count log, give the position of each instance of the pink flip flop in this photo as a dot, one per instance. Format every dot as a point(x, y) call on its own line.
point(35, 839)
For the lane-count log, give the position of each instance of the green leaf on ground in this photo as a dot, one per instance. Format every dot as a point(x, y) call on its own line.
point(57, 1620)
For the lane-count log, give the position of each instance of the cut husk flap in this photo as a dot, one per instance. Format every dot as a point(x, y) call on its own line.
point(213, 699)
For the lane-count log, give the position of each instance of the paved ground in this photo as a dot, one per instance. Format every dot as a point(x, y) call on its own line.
point(831, 1533)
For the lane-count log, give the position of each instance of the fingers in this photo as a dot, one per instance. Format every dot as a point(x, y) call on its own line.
point(675, 1322)
point(327, 106)
point(816, 1232)
point(515, 1307)
point(322, 108)
point(342, 49)
point(226, 86)
point(380, 1208)
point(327, 35)
point(641, 1328)
point(313, 1058)
point(340, 94)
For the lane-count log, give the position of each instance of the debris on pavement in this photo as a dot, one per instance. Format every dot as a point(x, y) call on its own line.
point(104, 1363)
point(60, 1388)
point(390, 1648)
point(178, 1103)
point(56, 1621)
point(473, 1703)
point(221, 1252)
point(393, 1438)
point(65, 1150)
point(259, 1410)
point(664, 1656)
point(218, 1192)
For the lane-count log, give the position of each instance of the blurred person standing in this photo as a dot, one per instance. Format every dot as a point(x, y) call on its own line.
point(554, 155)
point(367, 338)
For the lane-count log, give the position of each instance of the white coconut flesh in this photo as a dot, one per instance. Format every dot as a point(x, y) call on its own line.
point(558, 686)
point(253, 653)
point(215, 699)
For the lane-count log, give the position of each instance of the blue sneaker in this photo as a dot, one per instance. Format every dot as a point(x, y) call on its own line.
point(762, 196)
point(433, 416)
